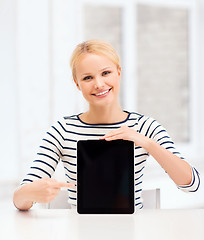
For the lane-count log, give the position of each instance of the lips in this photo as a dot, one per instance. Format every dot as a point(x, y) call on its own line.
point(103, 93)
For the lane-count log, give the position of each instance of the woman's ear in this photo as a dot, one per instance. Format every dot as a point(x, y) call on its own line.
point(76, 82)
point(119, 70)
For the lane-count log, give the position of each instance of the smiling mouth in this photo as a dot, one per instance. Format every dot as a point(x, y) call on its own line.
point(102, 93)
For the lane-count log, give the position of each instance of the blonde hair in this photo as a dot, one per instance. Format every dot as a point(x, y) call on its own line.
point(94, 46)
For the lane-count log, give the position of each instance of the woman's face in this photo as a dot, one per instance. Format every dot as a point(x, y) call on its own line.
point(98, 78)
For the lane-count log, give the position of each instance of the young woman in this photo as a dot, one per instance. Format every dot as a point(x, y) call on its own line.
point(96, 72)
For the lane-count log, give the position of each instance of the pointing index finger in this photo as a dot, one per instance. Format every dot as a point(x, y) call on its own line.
point(64, 185)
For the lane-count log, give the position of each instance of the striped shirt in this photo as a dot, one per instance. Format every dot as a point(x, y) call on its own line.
point(60, 144)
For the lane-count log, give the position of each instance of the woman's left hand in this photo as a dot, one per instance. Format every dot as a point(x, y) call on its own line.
point(178, 169)
point(129, 134)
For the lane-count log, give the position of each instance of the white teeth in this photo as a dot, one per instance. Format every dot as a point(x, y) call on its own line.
point(99, 94)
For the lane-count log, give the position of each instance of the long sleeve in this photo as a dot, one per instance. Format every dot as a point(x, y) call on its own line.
point(195, 183)
point(152, 129)
point(48, 155)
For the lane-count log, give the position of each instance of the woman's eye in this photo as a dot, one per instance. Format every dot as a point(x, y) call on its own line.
point(87, 78)
point(105, 73)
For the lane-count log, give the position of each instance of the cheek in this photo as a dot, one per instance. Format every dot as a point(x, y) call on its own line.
point(85, 88)
point(116, 81)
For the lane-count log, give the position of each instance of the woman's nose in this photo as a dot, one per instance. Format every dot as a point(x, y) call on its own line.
point(99, 83)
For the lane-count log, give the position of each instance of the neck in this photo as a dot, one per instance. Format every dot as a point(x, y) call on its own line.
point(103, 114)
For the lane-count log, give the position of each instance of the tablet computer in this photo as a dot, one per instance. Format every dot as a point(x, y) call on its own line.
point(105, 177)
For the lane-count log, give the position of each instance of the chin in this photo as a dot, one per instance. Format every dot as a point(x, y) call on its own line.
point(104, 103)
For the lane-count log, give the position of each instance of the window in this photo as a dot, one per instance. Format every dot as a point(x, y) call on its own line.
point(156, 44)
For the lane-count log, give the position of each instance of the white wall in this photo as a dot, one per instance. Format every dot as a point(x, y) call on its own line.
point(36, 40)
point(8, 96)
point(200, 68)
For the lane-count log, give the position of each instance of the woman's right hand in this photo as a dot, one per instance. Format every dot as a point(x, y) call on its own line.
point(42, 191)
point(45, 189)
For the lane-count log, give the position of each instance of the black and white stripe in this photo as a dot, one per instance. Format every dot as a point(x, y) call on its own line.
point(60, 143)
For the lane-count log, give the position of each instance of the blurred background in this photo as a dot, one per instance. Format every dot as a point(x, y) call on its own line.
point(160, 43)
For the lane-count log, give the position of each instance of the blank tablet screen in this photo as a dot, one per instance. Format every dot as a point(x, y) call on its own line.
point(105, 176)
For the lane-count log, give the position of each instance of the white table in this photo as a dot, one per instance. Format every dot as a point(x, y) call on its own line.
point(67, 224)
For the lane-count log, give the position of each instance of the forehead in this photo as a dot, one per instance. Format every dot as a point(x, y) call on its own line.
point(92, 62)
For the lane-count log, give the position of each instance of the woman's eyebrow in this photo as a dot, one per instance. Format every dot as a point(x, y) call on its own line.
point(85, 74)
point(105, 68)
